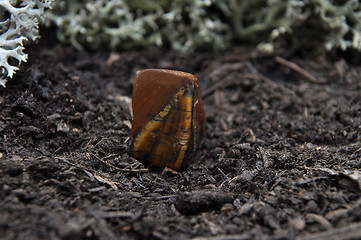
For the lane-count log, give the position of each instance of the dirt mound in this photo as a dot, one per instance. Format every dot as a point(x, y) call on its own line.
point(280, 159)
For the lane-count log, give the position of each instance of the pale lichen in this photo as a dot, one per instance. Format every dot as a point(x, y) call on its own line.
point(19, 23)
point(317, 24)
point(186, 25)
point(127, 24)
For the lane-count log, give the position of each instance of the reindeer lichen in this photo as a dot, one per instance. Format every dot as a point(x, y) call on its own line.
point(186, 25)
point(127, 24)
point(325, 24)
point(18, 24)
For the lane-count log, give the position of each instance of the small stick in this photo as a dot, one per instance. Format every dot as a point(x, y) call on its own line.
point(320, 219)
point(298, 69)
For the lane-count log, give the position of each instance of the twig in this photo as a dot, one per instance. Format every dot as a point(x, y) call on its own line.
point(117, 168)
point(354, 153)
point(298, 69)
point(111, 183)
point(93, 173)
point(320, 219)
point(160, 198)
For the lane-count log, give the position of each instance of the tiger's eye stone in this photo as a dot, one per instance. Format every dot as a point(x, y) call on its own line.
point(168, 118)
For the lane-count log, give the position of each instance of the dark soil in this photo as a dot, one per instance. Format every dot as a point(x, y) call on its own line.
point(280, 158)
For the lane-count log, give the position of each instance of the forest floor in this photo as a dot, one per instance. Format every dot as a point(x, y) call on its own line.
point(281, 156)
